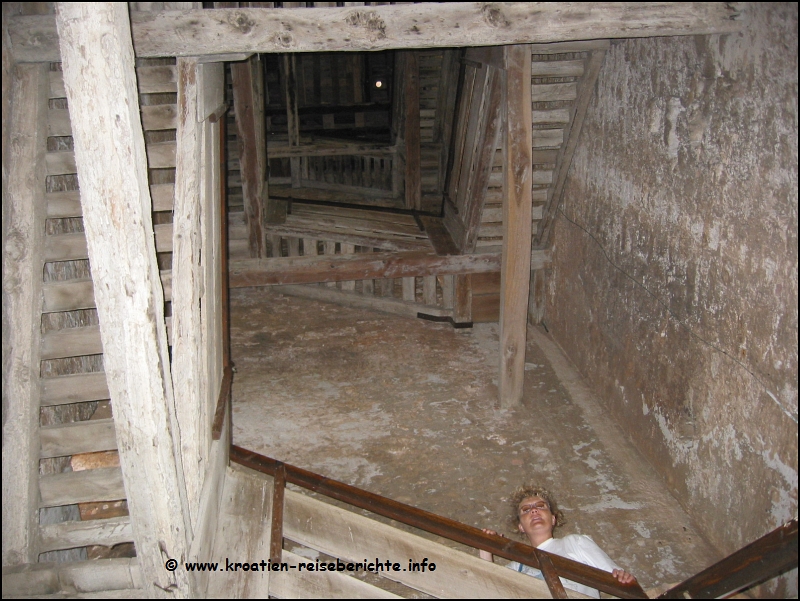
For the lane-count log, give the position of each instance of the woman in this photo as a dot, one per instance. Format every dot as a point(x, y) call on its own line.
point(535, 514)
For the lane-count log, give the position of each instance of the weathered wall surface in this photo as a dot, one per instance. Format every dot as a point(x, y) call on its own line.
point(686, 175)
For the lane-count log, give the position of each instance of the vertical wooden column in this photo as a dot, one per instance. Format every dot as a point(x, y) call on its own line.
point(23, 226)
point(536, 297)
point(462, 301)
point(412, 132)
point(248, 101)
point(289, 79)
point(100, 83)
point(194, 293)
point(515, 272)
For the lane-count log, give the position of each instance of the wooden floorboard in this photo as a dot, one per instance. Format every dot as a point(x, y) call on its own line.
point(89, 486)
point(78, 437)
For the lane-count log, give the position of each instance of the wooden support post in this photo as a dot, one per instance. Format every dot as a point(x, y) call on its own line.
point(100, 83)
point(289, 80)
point(276, 532)
point(413, 185)
point(23, 237)
point(462, 307)
point(248, 102)
point(515, 272)
point(196, 303)
point(536, 297)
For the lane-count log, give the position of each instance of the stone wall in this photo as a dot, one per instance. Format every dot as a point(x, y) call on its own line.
point(674, 281)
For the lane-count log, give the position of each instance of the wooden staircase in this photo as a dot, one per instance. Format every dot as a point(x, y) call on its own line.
point(562, 81)
point(80, 503)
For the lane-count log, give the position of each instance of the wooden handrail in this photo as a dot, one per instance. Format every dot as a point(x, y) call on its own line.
point(769, 556)
point(435, 524)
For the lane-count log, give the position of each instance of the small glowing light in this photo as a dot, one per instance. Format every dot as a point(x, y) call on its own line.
point(378, 84)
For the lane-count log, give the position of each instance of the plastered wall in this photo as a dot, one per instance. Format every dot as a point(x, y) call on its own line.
point(674, 281)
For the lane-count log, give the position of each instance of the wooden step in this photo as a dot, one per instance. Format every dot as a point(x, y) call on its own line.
point(70, 247)
point(160, 155)
point(68, 204)
point(72, 578)
point(151, 80)
point(155, 117)
point(79, 294)
point(572, 68)
point(88, 486)
point(548, 117)
point(71, 342)
point(547, 138)
point(72, 534)
point(78, 437)
point(549, 92)
point(74, 388)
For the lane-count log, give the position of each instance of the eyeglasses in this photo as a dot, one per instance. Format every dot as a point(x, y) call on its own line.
point(539, 506)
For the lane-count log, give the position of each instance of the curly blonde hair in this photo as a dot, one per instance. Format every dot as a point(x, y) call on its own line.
point(534, 490)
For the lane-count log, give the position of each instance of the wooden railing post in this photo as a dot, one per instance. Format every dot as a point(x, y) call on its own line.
point(276, 535)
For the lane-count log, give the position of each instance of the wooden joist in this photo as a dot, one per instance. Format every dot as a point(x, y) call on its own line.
point(88, 486)
point(88, 436)
point(74, 388)
point(73, 578)
point(361, 266)
point(351, 236)
point(232, 31)
point(72, 534)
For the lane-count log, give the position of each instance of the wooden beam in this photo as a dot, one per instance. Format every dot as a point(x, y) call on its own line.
point(413, 185)
point(359, 266)
point(516, 268)
point(425, 25)
point(23, 239)
point(100, 82)
point(248, 102)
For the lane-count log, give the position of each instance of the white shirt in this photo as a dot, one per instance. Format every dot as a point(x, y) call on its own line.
point(577, 547)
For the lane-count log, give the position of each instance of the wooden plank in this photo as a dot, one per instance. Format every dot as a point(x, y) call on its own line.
point(385, 303)
point(23, 238)
point(289, 82)
point(413, 183)
point(72, 534)
point(550, 92)
point(516, 265)
point(74, 388)
point(78, 437)
point(438, 235)
point(232, 31)
point(99, 77)
point(70, 247)
point(87, 486)
point(151, 80)
point(160, 155)
point(353, 537)
point(337, 268)
point(354, 198)
point(429, 290)
point(571, 68)
point(346, 189)
point(73, 578)
point(302, 584)
point(374, 149)
point(243, 533)
point(71, 342)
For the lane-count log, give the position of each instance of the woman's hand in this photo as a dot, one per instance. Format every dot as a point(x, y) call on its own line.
point(624, 577)
point(486, 554)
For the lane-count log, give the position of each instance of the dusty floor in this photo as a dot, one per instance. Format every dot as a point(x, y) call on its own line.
point(406, 408)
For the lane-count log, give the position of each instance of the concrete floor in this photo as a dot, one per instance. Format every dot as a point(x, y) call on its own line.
point(407, 408)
